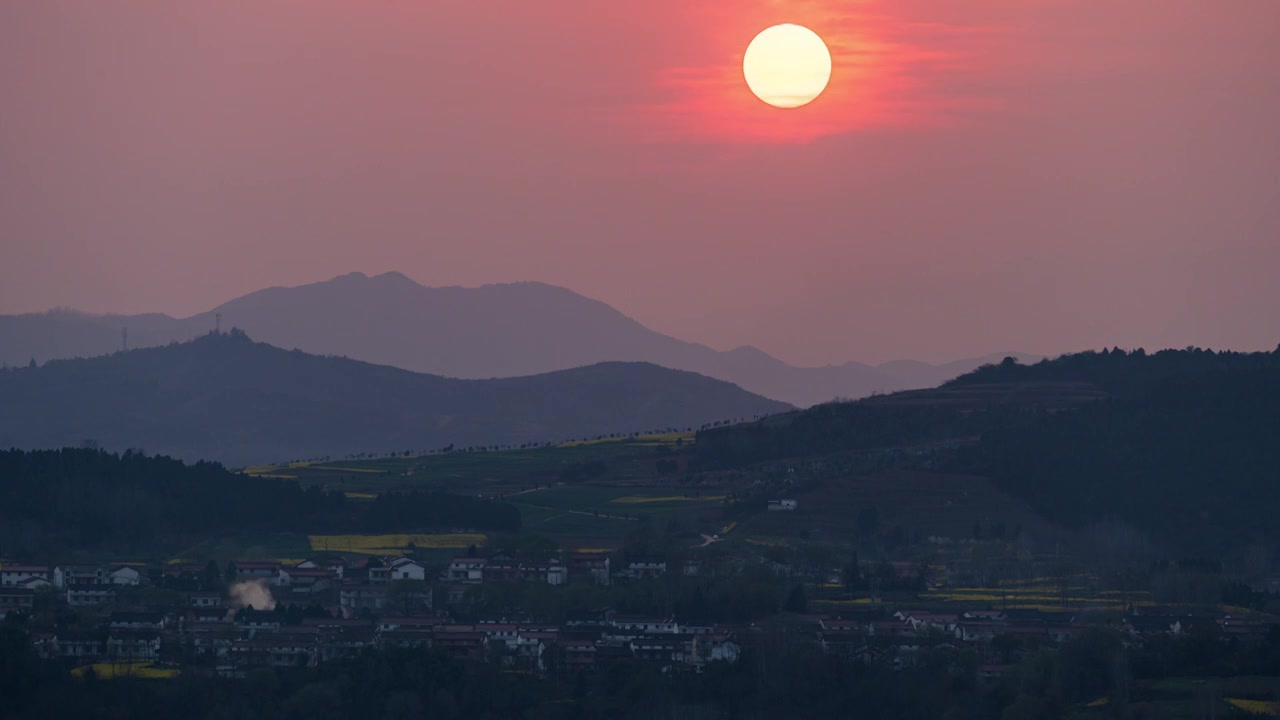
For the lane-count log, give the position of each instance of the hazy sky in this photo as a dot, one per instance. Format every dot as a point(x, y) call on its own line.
point(981, 175)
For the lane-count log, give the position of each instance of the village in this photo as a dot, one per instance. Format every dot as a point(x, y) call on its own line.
point(193, 617)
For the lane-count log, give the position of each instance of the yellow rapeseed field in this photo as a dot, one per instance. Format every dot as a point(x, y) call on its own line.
point(387, 544)
point(361, 495)
point(1256, 707)
point(144, 670)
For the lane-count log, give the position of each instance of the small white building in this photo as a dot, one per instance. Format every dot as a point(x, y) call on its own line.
point(783, 505)
point(405, 569)
point(466, 570)
point(66, 575)
point(125, 575)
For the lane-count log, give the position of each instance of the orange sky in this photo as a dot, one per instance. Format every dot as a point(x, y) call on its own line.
point(979, 176)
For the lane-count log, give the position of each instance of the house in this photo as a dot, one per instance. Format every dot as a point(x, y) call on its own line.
point(646, 567)
point(16, 599)
point(209, 615)
point(254, 569)
point(306, 579)
point(134, 645)
point(552, 573)
point(712, 647)
point(504, 633)
point(12, 575)
point(335, 565)
point(501, 571)
point(124, 575)
point(465, 570)
point(415, 624)
point(594, 566)
point(273, 652)
point(121, 620)
point(378, 574)
point(657, 648)
point(406, 569)
point(80, 644)
point(783, 505)
point(204, 599)
point(531, 647)
point(357, 597)
point(35, 583)
point(642, 624)
point(65, 575)
point(79, 595)
point(460, 640)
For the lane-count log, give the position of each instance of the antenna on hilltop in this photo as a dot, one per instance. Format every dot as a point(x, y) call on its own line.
point(217, 323)
point(124, 339)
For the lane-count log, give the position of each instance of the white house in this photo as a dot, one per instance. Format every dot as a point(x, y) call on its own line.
point(647, 568)
point(405, 569)
point(125, 575)
point(783, 505)
point(253, 569)
point(65, 575)
point(466, 570)
point(12, 575)
point(645, 624)
point(35, 583)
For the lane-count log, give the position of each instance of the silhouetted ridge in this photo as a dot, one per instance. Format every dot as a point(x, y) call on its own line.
point(502, 330)
point(226, 397)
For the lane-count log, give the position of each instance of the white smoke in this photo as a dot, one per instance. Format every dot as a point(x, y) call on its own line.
point(252, 593)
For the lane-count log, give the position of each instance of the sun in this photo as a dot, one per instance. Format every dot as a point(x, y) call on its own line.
point(787, 66)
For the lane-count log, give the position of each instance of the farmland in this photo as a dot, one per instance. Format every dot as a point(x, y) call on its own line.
point(392, 544)
point(130, 670)
point(628, 459)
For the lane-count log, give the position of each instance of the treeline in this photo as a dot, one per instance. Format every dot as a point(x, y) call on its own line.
point(1123, 372)
point(58, 500)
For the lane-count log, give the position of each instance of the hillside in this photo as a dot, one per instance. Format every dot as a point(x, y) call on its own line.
point(483, 332)
point(1179, 445)
point(227, 398)
point(59, 500)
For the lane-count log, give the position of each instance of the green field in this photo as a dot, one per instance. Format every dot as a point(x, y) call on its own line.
point(591, 516)
point(497, 472)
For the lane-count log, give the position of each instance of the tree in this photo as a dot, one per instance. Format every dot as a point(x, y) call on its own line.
point(796, 601)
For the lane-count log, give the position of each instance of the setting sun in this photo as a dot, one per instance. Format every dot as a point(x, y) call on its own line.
point(787, 66)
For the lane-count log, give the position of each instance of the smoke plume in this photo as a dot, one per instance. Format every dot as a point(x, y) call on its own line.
point(252, 593)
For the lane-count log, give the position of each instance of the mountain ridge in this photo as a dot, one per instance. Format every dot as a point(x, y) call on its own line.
point(225, 397)
point(495, 330)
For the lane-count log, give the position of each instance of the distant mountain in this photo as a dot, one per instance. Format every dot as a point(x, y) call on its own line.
point(488, 331)
point(225, 397)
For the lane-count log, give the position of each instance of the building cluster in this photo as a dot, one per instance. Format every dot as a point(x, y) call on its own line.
point(350, 606)
point(900, 639)
point(337, 608)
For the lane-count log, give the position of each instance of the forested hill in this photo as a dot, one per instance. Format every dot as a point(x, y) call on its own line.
point(1187, 448)
point(1180, 444)
point(1119, 372)
point(227, 398)
point(59, 500)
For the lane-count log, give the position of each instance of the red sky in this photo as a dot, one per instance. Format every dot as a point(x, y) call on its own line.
point(981, 175)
